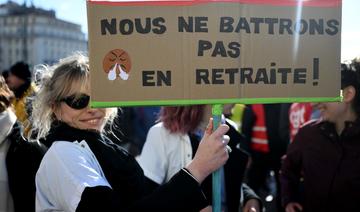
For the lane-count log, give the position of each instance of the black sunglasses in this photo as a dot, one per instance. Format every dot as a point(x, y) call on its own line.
point(76, 101)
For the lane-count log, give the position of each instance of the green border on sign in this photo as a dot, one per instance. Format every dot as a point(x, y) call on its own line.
point(97, 104)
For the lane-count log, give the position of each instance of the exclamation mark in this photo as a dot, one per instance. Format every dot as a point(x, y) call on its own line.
point(315, 71)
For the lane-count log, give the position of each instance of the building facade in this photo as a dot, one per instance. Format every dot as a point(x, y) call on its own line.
point(36, 36)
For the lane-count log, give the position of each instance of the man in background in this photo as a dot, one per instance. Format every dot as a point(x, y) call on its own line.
point(19, 81)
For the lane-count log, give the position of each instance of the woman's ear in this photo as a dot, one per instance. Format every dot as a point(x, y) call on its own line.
point(349, 94)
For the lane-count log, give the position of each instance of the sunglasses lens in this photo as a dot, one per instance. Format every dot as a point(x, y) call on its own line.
point(77, 102)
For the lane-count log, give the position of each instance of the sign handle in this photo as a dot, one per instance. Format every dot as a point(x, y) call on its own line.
point(217, 110)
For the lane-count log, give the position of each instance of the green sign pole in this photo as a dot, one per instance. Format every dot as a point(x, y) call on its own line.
point(216, 176)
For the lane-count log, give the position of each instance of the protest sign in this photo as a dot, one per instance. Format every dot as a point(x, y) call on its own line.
point(203, 52)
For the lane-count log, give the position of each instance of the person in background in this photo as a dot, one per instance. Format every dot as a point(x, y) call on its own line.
point(260, 125)
point(19, 159)
point(172, 144)
point(22, 162)
point(325, 153)
point(19, 81)
point(84, 171)
point(7, 127)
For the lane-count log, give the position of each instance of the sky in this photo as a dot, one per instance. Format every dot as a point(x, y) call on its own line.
point(75, 11)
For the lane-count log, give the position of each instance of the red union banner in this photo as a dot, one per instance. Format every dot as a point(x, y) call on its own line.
point(206, 52)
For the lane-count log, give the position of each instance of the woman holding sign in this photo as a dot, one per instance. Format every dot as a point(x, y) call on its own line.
point(85, 171)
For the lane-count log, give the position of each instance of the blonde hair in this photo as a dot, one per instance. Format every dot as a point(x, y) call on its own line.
point(57, 82)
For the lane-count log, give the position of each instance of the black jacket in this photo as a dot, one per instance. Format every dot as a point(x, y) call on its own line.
point(128, 192)
point(329, 165)
point(22, 162)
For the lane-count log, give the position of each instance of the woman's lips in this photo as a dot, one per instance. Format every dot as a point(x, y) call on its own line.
point(92, 121)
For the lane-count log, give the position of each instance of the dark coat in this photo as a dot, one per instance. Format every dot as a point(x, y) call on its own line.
point(22, 162)
point(128, 192)
point(329, 165)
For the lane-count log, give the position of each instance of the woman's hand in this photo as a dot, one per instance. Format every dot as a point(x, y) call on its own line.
point(212, 152)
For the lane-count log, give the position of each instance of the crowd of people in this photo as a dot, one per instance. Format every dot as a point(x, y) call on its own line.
point(59, 154)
